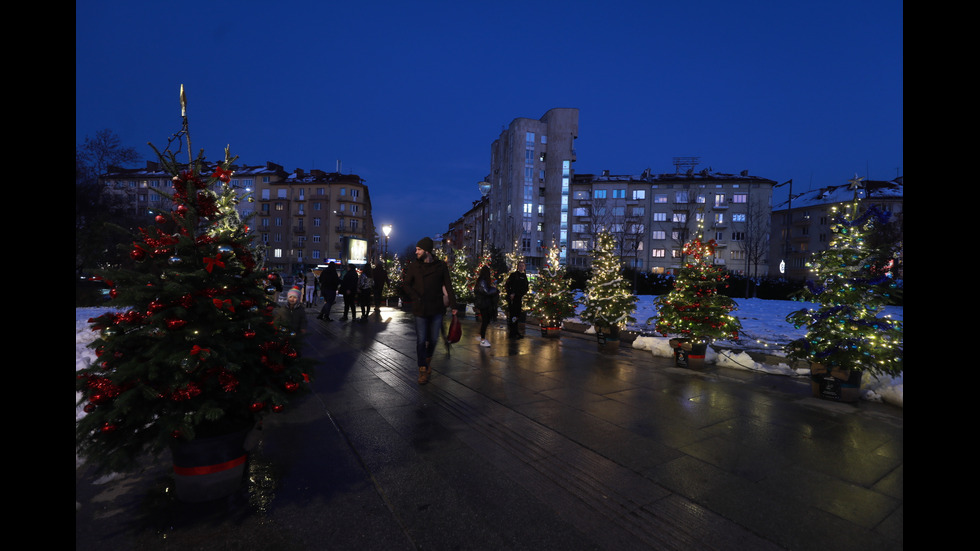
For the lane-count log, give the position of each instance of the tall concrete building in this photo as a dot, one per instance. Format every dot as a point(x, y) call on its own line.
point(529, 182)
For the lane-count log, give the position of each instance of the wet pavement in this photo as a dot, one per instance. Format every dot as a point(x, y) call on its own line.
point(537, 443)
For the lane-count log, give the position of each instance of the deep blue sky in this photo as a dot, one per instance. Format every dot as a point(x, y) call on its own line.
point(409, 95)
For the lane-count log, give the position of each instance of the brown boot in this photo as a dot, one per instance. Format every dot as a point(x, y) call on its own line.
point(423, 375)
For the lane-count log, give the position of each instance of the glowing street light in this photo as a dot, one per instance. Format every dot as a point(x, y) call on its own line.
point(387, 231)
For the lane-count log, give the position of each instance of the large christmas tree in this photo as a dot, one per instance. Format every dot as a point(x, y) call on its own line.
point(191, 349)
point(609, 301)
point(551, 298)
point(852, 284)
point(694, 308)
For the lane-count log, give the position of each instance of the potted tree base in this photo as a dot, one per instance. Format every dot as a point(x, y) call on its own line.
point(608, 340)
point(689, 353)
point(550, 331)
point(207, 469)
point(835, 383)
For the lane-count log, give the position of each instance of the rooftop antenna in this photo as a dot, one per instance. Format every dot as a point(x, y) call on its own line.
point(685, 162)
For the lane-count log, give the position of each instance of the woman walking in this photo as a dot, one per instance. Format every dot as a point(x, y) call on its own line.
point(486, 302)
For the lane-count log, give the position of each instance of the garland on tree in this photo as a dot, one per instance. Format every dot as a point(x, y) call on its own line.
point(609, 301)
point(511, 259)
point(551, 299)
point(852, 284)
point(192, 350)
point(694, 308)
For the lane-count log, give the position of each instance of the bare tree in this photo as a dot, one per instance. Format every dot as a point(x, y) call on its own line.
point(100, 221)
point(97, 154)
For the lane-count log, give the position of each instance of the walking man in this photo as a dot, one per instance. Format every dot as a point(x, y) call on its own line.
point(428, 286)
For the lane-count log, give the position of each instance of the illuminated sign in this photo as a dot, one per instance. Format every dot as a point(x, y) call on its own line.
point(357, 250)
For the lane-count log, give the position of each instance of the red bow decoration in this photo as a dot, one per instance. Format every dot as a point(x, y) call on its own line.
point(210, 263)
point(219, 304)
point(197, 350)
point(222, 174)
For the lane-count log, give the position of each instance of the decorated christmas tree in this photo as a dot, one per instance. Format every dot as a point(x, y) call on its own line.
point(190, 350)
point(511, 259)
point(609, 301)
point(393, 266)
point(694, 308)
point(551, 298)
point(459, 271)
point(852, 284)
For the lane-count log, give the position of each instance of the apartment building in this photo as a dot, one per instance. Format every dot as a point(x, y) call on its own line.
point(302, 218)
point(801, 225)
point(529, 181)
point(305, 219)
point(469, 232)
point(653, 215)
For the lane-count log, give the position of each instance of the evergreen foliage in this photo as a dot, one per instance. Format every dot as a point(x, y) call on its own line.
point(551, 299)
point(512, 259)
point(459, 270)
point(191, 350)
point(695, 308)
point(852, 284)
point(609, 300)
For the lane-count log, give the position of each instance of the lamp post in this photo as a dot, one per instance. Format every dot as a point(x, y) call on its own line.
point(387, 231)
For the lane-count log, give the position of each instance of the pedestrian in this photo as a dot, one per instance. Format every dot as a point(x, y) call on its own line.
point(329, 281)
point(486, 295)
point(365, 288)
point(516, 288)
point(308, 288)
point(348, 290)
point(428, 286)
point(291, 317)
point(380, 276)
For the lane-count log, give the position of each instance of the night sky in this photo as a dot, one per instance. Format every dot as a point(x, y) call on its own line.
point(410, 95)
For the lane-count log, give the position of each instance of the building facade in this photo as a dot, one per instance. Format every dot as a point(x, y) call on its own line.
point(801, 225)
point(529, 182)
point(652, 216)
point(303, 219)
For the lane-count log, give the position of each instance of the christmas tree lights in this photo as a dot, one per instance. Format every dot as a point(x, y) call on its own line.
point(192, 350)
point(852, 284)
point(694, 308)
point(551, 299)
point(512, 259)
point(609, 301)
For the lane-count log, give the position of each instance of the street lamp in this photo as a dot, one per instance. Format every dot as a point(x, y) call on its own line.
point(387, 231)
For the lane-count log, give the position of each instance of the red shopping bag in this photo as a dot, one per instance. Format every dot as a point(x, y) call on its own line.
point(455, 330)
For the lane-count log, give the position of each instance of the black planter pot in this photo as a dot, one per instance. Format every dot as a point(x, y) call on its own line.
point(835, 383)
point(211, 468)
point(688, 353)
point(609, 340)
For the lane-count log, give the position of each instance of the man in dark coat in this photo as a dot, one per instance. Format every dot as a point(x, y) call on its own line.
point(428, 286)
point(329, 281)
point(348, 290)
point(516, 288)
